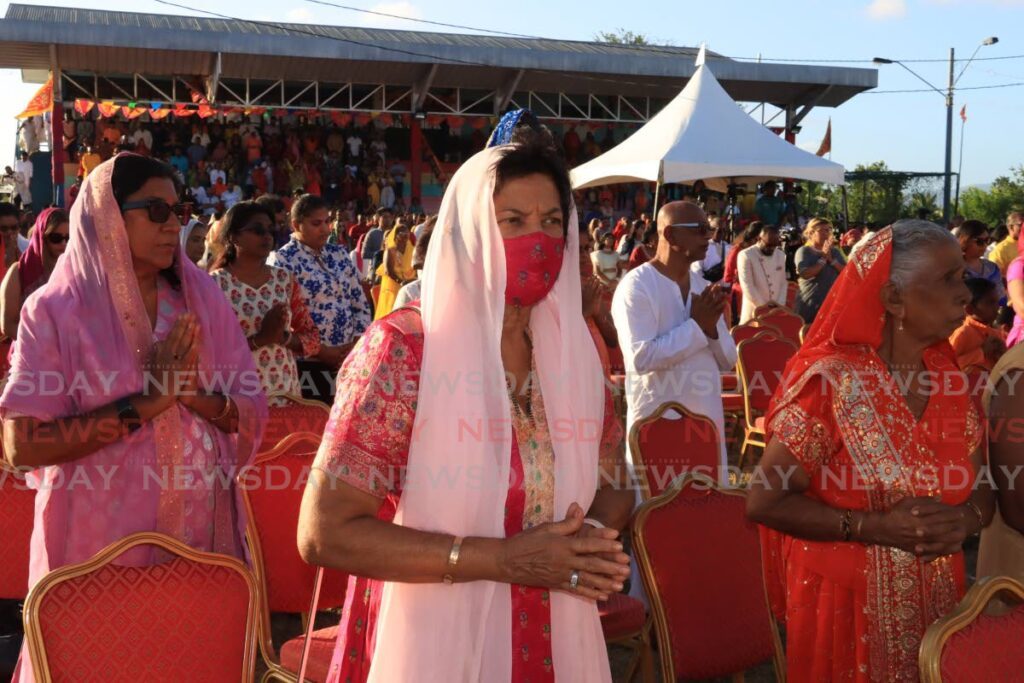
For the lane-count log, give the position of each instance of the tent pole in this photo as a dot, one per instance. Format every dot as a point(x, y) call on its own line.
point(657, 188)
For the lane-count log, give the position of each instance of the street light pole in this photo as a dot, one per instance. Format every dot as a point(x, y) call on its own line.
point(948, 179)
point(948, 175)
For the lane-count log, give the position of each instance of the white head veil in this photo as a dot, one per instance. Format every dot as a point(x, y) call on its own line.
point(459, 459)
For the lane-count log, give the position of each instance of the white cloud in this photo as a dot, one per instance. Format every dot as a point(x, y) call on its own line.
point(881, 10)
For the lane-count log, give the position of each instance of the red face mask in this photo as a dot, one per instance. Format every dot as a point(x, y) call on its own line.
point(532, 263)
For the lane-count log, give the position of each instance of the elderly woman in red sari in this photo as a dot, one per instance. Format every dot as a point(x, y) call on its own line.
point(866, 487)
point(484, 562)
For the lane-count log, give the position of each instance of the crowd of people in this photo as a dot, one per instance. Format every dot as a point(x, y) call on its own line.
point(206, 289)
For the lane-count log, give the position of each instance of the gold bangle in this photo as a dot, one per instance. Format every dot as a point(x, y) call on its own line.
point(227, 409)
point(453, 559)
point(860, 526)
point(977, 511)
point(844, 525)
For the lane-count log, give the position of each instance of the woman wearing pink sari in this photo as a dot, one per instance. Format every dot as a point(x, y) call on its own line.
point(478, 564)
point(131, 380)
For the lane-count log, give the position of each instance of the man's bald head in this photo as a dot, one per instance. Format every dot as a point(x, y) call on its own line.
point(688, 240)
point(679, 212)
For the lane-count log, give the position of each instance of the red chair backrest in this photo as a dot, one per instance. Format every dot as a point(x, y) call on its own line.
point(989, 649)
point(271, 490)
point(700, 561)
point(749, 331)
point(192, 618)
point(980, 639)
point(789, 324)
point(17, 511)
point(297, 415)
point(664, 449)
point(760, 362)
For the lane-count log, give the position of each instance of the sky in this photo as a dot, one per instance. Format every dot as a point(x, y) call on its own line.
point(906, 130)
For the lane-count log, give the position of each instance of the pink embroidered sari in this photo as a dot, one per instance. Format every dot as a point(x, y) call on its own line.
point(82, 343)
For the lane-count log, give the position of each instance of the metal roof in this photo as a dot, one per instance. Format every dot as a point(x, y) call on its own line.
point(88, 40)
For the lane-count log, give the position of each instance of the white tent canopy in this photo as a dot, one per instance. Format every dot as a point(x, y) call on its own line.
point(703, 134)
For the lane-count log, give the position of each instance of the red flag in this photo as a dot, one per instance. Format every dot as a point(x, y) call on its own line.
point(826, 142)
point(963, 113)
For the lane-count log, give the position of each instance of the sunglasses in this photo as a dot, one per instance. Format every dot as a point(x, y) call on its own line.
point(58, 238)
point(157, 210)
point(704, 229)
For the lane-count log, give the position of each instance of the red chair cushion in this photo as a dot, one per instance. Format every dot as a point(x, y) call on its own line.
point(166, 623)
point(275, 518)
point(744, 332)
point(730, 382)
point(621, 616)
point(17, 506)
point(706, 571)
point(670, 448)
point(321, 649)
point(987, 650)
point(732, 403)
point(291, 418)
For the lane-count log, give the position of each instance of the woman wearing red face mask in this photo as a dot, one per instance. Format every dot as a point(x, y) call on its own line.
point(484, 562)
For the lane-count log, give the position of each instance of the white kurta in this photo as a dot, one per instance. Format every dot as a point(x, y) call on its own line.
point(667, 355)
point(762, 278)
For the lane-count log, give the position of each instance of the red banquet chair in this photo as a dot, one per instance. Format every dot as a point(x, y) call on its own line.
point(976, 643)
point(285, 580)
point(760, 362)
point(191, 618)
point(624, 622)
point(17, 508)
point(297, 415)
point(700, 563)
point(663, 449)
point(751, 330)
point(785, 321)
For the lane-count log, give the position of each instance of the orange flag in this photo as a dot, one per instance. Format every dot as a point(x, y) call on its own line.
point(107, 109)
point(826, 142)
point(41, 102)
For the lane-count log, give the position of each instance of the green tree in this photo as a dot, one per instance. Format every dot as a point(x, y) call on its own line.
point(874, 194)
point(992, 205)
point(621, 36)
point(927, 201)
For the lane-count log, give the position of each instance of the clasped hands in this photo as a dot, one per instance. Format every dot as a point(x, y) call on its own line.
point(549, 554)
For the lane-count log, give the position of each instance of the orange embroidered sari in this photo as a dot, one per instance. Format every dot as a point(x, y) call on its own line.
point(857, 612)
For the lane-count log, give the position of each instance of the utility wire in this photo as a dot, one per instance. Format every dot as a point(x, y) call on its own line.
point(296, 29)
point(638, 48)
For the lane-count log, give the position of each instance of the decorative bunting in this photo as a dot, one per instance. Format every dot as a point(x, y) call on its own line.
point(206, 111)
point(159, 114)
point(107, 109)
point(83, 107)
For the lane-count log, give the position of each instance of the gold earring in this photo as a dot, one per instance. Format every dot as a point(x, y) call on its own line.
point(900, 328)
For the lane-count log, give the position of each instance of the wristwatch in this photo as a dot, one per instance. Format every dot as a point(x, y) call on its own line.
point(128, 415)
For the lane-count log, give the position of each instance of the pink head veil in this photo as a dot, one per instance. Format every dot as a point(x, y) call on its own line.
point(459, 462)
point(89, 326)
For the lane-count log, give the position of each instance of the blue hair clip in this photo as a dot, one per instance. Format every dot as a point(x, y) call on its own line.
point(502, 134)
